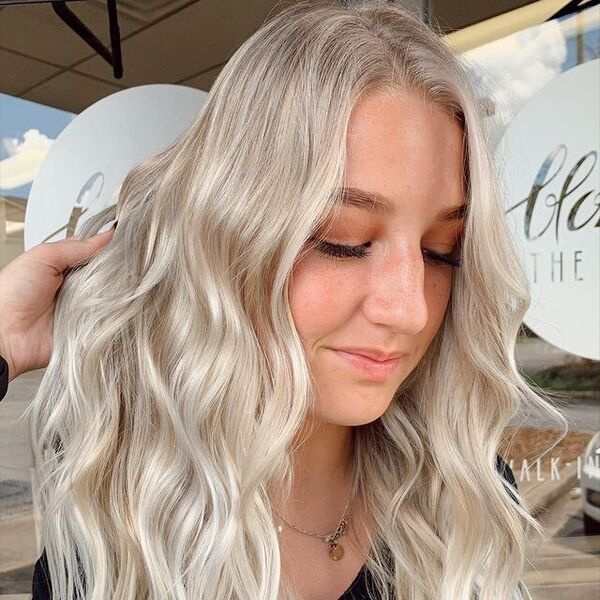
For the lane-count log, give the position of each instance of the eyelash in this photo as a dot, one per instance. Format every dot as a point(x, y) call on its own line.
point(342, 251)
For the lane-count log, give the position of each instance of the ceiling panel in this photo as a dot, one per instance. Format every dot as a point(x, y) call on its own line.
point(456, 15)
point(193, 40)
point(148, 11)
point(88, 91)
point(35, 30)
point(18, 73)
point(203, 81)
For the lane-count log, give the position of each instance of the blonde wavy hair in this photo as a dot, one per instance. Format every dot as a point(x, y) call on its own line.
point(178, 382)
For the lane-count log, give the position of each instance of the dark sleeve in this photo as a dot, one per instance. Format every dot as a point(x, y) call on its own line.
point(506, 472)
point(3, 377)
point(41, 588)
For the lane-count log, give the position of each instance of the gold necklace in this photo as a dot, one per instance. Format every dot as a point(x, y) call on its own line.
point(335, 549)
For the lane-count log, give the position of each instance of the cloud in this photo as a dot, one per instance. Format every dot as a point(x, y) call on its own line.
point(24, 158)
point(514, 68)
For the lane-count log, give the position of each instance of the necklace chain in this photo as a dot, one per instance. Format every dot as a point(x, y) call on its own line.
point(335, 549)
point(339, 530)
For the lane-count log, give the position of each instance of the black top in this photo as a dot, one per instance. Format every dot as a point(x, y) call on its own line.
point(3, 377)
point(357, 591)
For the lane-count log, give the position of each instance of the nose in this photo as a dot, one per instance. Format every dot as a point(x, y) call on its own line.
point(396, 294)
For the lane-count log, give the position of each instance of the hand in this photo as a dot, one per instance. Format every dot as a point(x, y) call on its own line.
point(28, 287)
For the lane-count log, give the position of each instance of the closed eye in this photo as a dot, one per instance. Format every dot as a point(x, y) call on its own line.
point(340, 251)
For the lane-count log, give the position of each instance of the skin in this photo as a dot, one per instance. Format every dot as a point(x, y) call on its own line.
point(411, 152)
point(28, 288)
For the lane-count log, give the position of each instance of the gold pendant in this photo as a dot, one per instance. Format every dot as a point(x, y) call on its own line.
point(335, 551)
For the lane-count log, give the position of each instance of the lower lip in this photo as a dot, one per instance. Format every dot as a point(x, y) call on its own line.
point(369, 369)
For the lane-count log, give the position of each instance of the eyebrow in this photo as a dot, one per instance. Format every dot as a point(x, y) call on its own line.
point(378, 203)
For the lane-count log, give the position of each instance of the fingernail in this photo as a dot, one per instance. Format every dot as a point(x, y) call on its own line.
point(107, 227)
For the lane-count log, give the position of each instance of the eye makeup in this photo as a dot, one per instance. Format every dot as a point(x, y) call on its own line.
point(341, 251)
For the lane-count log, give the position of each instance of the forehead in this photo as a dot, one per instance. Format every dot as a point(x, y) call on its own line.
point(407, 151)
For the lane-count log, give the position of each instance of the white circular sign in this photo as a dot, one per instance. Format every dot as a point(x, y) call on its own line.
point(548, 162)
point(89, 160)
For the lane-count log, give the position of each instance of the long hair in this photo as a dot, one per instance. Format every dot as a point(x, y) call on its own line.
point(178, 382)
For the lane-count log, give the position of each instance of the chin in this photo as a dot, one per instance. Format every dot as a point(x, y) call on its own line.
point(352, 413)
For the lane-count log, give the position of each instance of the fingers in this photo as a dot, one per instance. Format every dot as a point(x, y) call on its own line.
point(72, 251)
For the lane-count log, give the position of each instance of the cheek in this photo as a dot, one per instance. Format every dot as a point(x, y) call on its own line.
point(438, 287)
point(315, 300)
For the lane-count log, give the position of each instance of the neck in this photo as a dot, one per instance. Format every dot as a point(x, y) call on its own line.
point(323, 471)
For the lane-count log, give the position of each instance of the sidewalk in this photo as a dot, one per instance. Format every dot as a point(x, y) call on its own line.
point(18, 535)
point(541, 494)
point(535, 354)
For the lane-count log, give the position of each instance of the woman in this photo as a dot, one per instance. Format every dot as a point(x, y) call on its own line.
point(291, 369)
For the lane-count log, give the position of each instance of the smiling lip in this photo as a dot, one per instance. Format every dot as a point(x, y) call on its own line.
point(370, 369)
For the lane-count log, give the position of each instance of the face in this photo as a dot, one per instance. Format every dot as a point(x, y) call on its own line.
point(391, 291)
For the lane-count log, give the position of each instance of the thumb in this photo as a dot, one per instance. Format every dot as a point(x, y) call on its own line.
point(74, 250)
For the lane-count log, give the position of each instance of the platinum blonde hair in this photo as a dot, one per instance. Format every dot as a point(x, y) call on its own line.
point(178, 382)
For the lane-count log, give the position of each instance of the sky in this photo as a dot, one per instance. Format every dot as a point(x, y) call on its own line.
point(27, 130)
point(514, 68)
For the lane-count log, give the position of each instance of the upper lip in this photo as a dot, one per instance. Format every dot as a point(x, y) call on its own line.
point(374, 353)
